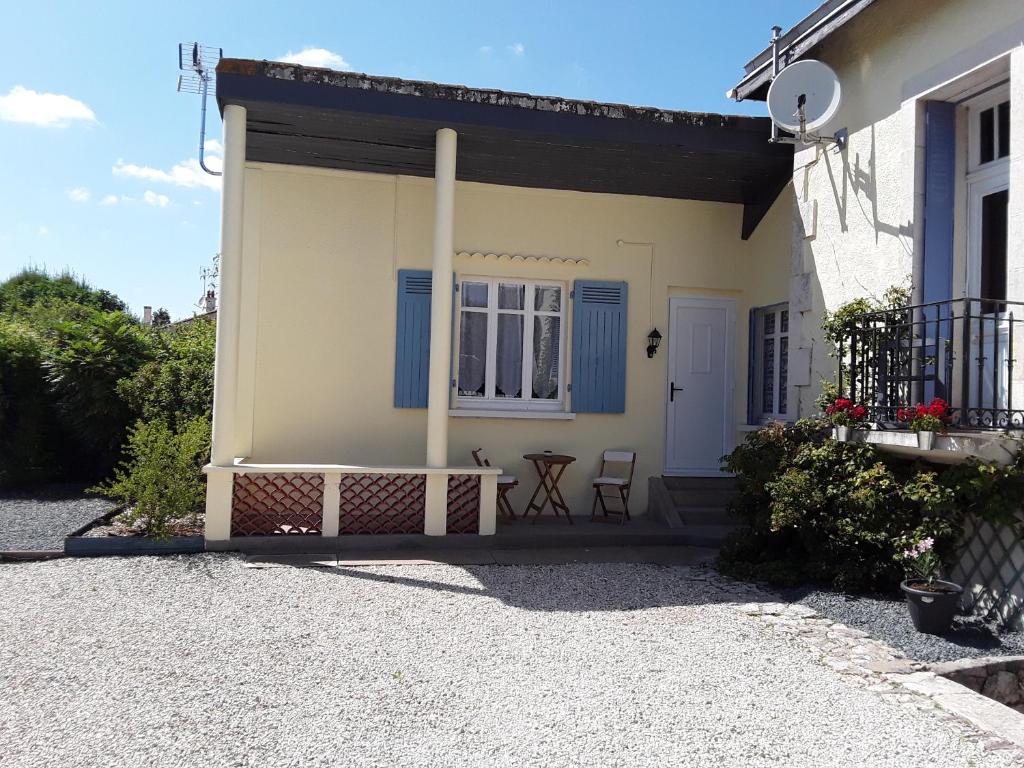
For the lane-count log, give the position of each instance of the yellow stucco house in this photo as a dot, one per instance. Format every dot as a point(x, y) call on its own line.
point(411, 271)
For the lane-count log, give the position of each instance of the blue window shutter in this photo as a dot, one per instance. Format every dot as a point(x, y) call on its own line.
point(599, 312)
point(939, 172)
point(412, 338)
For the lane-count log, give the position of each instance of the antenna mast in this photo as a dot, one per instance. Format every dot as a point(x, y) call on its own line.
point(199, 63)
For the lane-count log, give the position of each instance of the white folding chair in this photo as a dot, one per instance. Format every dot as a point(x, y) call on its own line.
point(619, 483)
point(505, 484)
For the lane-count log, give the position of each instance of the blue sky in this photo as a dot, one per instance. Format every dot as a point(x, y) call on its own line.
point(97, 150)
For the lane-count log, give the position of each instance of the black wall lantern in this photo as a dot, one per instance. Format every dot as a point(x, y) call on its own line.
point(653, 340)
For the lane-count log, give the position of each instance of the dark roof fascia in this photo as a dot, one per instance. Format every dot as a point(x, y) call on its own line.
point(804, 36)
point(242, 81)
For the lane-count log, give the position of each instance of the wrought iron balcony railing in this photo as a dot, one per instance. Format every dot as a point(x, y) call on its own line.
point(964, 351)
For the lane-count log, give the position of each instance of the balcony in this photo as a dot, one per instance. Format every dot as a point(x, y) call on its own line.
point(963, 350)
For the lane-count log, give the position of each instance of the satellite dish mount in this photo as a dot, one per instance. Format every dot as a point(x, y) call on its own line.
point(803, 98)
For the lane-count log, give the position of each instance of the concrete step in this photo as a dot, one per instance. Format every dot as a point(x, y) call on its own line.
point(707, 535)
point(688, 483)
point(702, 497)
point(705, 516)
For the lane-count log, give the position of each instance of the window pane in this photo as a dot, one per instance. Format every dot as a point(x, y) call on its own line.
point(547, 298)
point(768, 376)
point(1004, 129)
point(783, 372)
point(474, 294)
point(546, 331)
point(784, 321)
point(508, 377)
point(769, 323)
point(511, 296)
point(986, 129)
point(472, 354)
point(993, 249)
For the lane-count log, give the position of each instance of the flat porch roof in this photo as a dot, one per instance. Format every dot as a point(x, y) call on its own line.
point(329, 119)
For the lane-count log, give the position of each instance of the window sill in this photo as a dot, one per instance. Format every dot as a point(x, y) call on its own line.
point(484, 413)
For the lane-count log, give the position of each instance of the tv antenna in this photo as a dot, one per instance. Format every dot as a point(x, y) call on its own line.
point(208, 301)
point(199, 63)
point(803, 98)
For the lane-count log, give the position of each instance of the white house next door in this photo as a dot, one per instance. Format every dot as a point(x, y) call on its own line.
point(700, 384)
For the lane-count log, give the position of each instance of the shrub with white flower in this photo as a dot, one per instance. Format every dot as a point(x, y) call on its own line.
point(921, 559)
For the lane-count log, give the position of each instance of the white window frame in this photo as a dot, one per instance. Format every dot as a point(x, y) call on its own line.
point(975, 106)
point(489, 401)
point(982, 178)
point(759, 336)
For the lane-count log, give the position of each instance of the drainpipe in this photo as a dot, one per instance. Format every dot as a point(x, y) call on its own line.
point(226, 368)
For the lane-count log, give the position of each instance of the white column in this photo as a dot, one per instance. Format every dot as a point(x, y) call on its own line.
point(436, 513)
point(441, 299)
point(488, 504)
point(225, 377)
point(225, 383)
point(332, 498)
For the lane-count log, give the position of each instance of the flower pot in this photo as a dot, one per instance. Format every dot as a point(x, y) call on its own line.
point(925, 440)
point(841, 433)
point(933, 606)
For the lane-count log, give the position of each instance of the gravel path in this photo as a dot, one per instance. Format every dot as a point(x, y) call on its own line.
point(202, 661)
point(888, 620)
point(40, 521)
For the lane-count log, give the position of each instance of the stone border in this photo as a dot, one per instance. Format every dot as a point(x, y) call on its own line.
point(880, 668)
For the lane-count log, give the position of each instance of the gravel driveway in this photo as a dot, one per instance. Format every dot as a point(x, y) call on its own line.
point(39, 521)
point(202, 661)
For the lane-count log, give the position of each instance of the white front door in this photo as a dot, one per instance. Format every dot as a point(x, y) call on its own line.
point(700, 385)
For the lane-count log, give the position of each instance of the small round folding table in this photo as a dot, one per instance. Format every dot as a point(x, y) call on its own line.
point(550, 468)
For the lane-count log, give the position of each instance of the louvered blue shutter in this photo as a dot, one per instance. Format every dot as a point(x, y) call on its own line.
point(599, 347)
point(937, 264)
point(412, 338)
point(939, 173)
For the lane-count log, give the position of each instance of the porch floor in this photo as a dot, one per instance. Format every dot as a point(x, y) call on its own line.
point(547, 533)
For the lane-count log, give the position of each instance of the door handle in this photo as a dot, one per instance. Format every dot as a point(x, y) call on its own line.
point(672, 392)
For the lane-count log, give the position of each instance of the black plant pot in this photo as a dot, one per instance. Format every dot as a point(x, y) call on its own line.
point(931, 611)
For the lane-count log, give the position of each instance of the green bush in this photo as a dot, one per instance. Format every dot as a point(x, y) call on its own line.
point(63, 348)
point(817, 510)
point(177, 385)
point(31, 287)
point(88, 359)
point(162, 481)
point(29, 431)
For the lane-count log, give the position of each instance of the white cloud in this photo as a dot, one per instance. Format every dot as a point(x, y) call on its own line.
point(187, 173)
point(22, 105)
point(79, 194)
point(157, 201)
point(110, 200)
point(213, 147)
point(43, 232)
point(316, 57)
point(517, 49)
point(486, 50)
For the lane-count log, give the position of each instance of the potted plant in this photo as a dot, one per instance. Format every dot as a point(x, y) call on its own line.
point(931, 601)
point(844, 416)
point(926, 420)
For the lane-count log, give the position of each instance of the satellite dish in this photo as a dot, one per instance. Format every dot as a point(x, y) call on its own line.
point(806, 88)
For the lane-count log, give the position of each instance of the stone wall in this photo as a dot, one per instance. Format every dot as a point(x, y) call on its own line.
point(1001, 679)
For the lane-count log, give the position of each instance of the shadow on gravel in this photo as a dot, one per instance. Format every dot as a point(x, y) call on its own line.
point(573, 587)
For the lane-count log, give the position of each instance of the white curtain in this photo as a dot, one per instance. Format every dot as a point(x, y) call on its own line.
point(509, 368)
